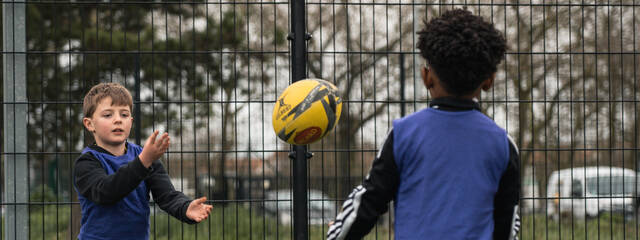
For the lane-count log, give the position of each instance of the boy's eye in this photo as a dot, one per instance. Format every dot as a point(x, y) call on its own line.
point(107, 115)
point(125, 115)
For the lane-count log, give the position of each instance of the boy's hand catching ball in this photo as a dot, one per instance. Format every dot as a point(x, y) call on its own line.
point(199, 211)
point(153, 149)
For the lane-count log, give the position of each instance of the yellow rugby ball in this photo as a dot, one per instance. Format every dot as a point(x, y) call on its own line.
point(306, 111)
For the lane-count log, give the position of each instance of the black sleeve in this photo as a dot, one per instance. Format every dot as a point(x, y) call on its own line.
point(93, 183)
point(165, 195)
point(370, 200)
point(507, 197)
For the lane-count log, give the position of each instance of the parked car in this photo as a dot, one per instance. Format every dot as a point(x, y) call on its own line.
point(237, 188)
point(278, 203)
point(589, 191)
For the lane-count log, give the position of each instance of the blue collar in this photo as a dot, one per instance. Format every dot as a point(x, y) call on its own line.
point(99, 149)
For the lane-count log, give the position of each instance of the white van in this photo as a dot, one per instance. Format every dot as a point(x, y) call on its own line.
point(589, 191)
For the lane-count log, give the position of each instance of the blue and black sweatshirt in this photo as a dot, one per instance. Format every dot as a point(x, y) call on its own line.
point(451, 172)
point(114, 194)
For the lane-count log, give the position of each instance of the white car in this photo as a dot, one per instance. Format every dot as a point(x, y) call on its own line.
point(589, 191)
point(278, 203)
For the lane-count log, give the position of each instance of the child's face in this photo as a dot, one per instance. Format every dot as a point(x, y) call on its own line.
point(110, 124)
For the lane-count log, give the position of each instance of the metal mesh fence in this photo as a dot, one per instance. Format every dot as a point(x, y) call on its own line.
point(209, 73)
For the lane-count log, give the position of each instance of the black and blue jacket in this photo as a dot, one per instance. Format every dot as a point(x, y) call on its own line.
point(114, 194)
point(451, 172)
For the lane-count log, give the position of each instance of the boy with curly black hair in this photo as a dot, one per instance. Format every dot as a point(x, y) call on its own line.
point(450, 170)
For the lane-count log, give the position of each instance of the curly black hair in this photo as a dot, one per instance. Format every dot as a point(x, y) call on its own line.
point(462, 49)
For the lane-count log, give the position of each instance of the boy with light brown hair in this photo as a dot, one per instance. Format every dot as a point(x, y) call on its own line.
point(113, 177)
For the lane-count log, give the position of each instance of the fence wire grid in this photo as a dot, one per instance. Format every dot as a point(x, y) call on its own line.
point(209, 72)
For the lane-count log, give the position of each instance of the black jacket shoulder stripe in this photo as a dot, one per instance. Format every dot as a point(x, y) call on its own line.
point(382, 149)
point(513, 143)
point(385, 139)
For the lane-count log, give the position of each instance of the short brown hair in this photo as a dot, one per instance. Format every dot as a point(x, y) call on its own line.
point(120, 96)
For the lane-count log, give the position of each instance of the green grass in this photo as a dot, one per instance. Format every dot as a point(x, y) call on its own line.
point(237, 221)
point(233, 221)
point(49, 222)
point(607, 226)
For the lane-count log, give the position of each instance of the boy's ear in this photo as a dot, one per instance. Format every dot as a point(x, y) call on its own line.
point(487, 84)
point(428, 82)
point(88, 124)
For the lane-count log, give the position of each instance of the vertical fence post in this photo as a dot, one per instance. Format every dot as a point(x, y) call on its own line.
point(299, 155)
point(16, 187)
point(138, 111)
point(403, 107)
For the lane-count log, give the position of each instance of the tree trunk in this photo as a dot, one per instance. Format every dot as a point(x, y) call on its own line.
point(226, 145)
point(344, 162)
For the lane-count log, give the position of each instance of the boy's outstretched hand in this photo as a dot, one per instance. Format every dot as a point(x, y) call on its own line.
point(153, 149)
point(199, 211)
